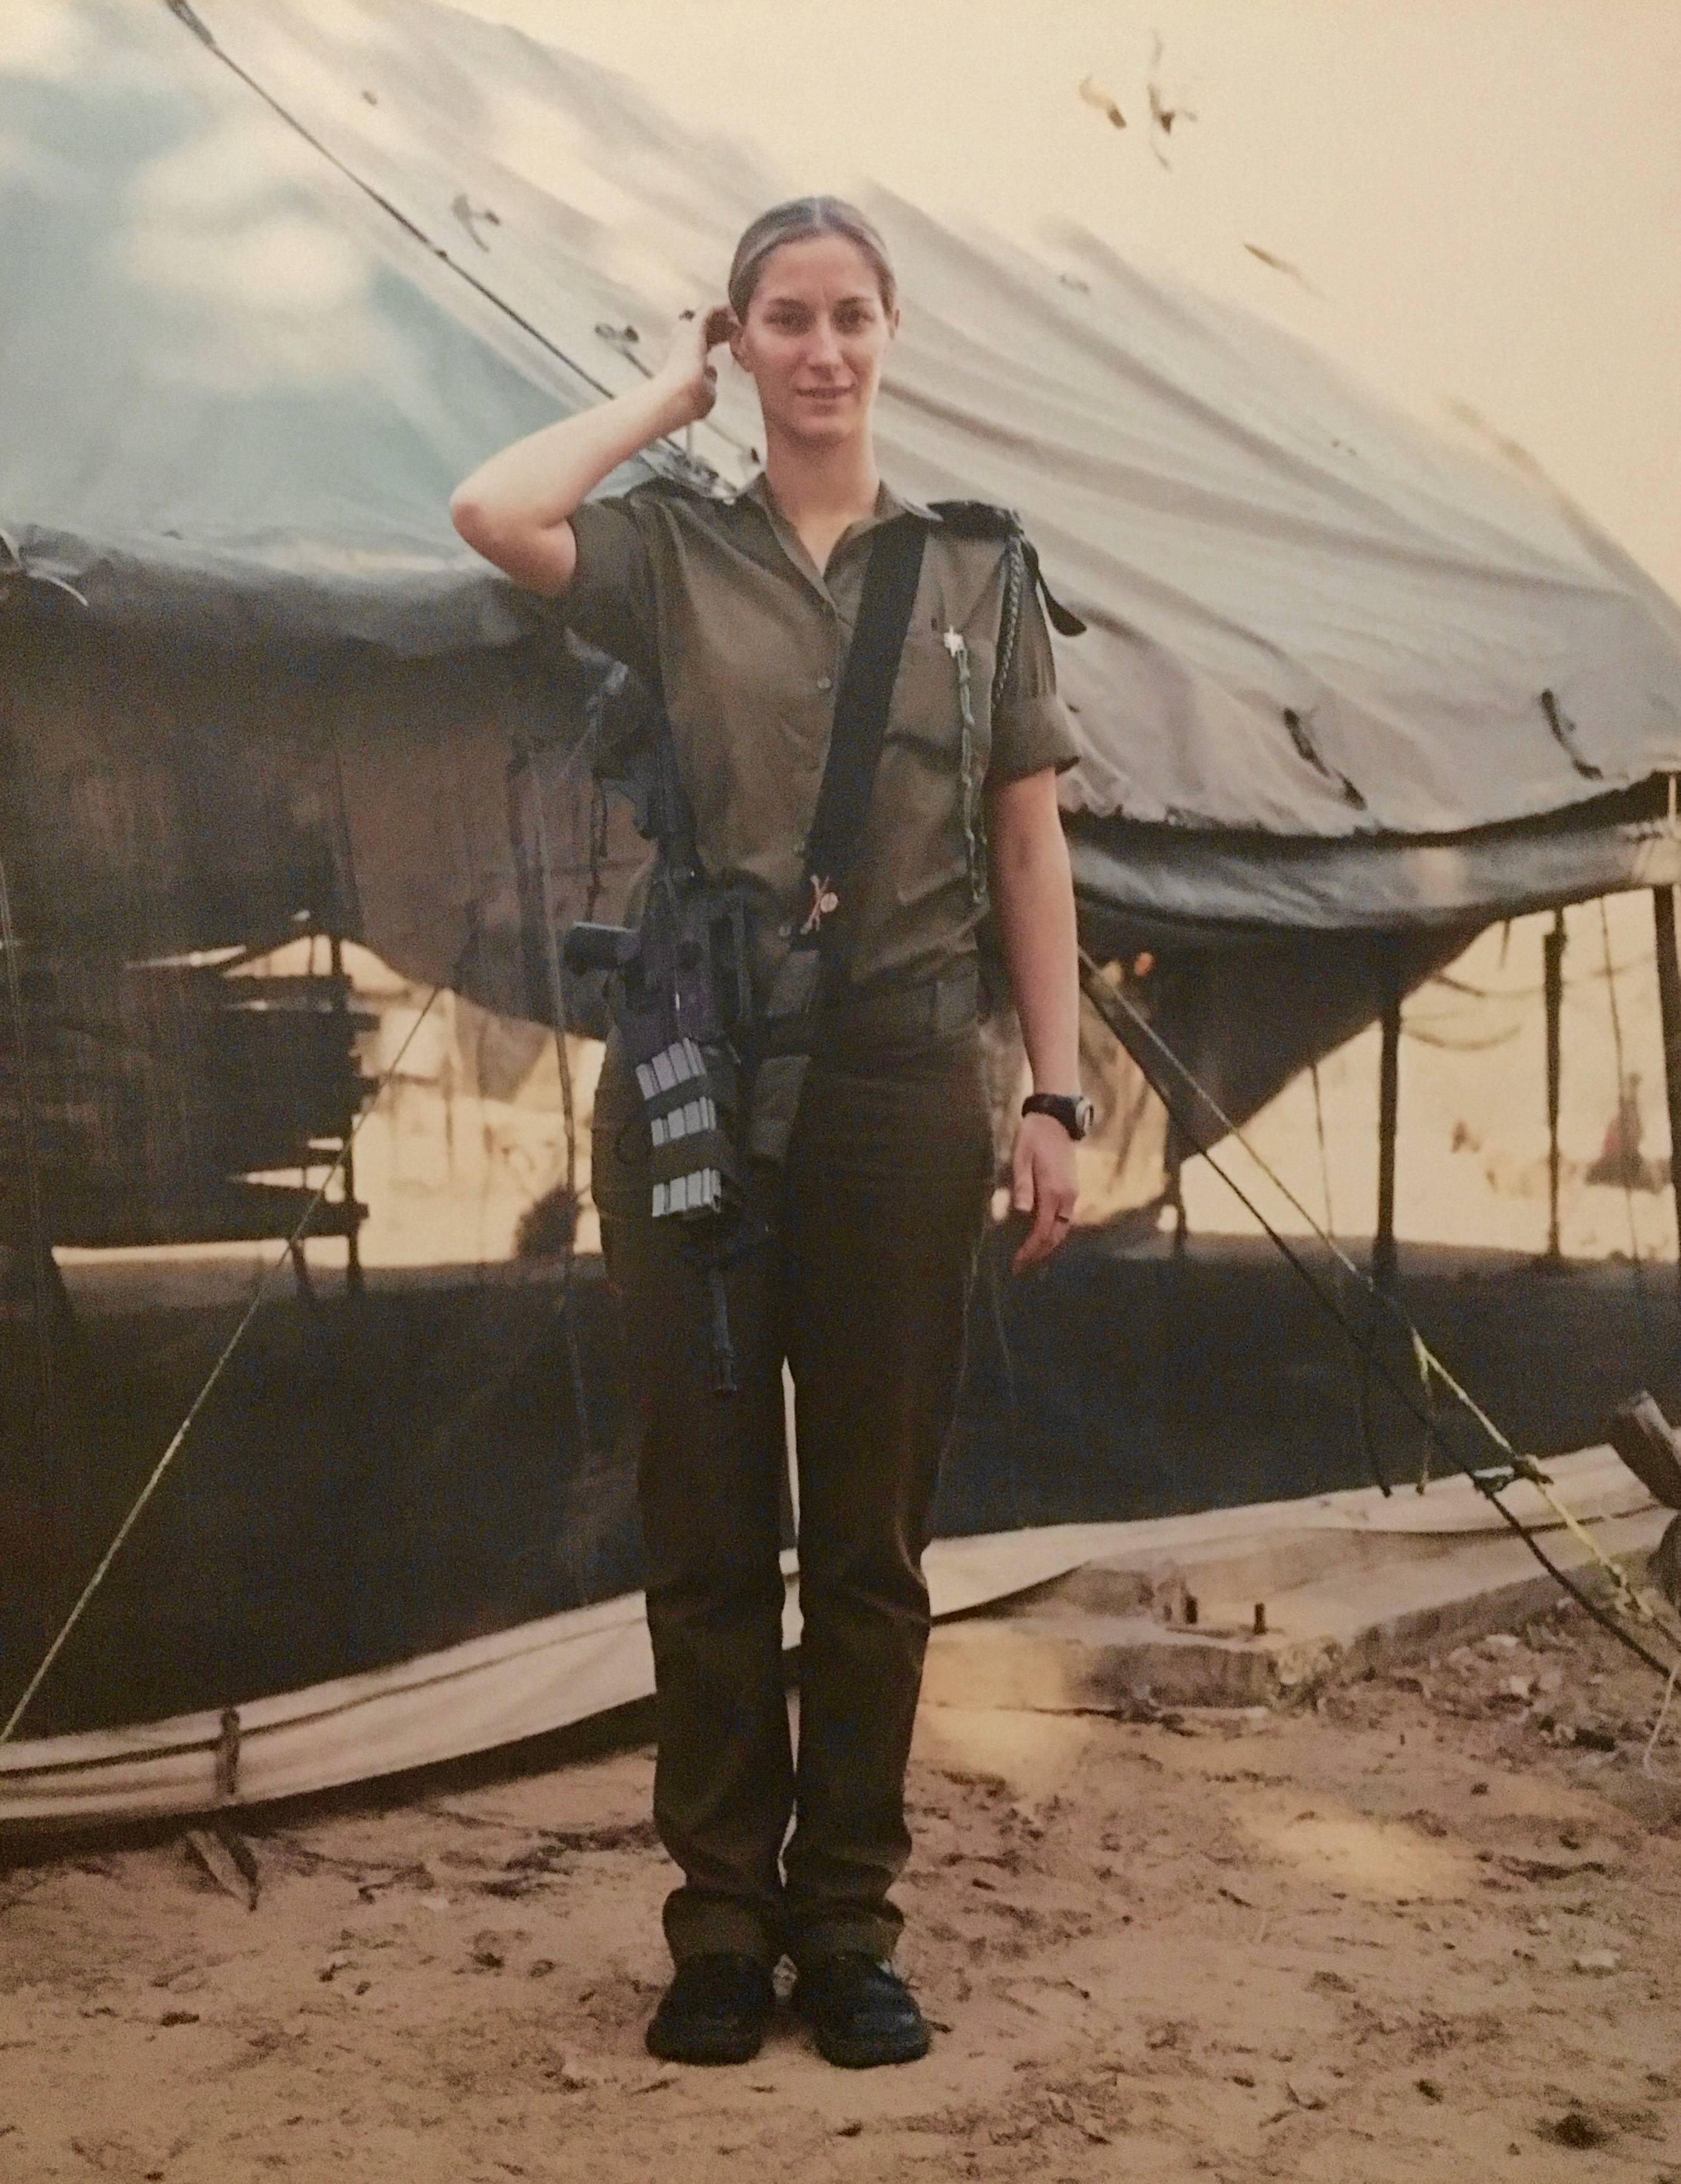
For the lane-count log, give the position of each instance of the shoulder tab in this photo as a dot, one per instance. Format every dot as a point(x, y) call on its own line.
point(976, 518)
point(985, 519)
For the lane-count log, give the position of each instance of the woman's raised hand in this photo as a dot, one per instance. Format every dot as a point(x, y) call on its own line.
point(516, 508)
point(686, 372)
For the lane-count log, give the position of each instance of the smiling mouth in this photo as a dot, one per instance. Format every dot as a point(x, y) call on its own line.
point(822, 393)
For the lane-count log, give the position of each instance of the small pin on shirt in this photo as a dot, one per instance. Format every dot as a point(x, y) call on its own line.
point(825, 903)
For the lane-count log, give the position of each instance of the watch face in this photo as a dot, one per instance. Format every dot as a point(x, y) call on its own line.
point(1085, 1115)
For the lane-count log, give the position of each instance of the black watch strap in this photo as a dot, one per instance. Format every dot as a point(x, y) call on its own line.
point(1071, 1109)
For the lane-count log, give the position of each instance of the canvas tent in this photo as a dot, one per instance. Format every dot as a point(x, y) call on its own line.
point(276, 280)
point(1337, 678)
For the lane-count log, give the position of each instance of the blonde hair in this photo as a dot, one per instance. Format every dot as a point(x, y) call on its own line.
point(799, 220)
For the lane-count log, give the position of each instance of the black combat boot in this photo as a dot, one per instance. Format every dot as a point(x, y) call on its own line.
point(861, 2012)
point(714, 2011)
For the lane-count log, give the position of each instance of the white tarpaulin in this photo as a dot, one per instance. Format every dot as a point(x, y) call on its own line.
point(547, 1674)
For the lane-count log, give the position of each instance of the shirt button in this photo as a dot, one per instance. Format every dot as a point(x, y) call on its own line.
point(784, 931)
point(825, 682)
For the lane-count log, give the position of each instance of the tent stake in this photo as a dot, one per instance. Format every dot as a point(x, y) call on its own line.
point(1388, 1112)
point(1669, 1004)
point(1552, 952)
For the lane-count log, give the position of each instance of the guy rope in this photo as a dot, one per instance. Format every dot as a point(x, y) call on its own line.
point(1171, 1079)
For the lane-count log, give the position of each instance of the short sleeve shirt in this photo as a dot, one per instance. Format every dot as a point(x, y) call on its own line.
point(718, 606)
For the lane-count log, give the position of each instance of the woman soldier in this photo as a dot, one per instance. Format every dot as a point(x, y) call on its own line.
point(738, 611)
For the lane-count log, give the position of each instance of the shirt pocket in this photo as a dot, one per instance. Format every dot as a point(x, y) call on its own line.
point(928, 711)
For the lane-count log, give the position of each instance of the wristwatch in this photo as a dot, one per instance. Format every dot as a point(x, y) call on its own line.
point(1073, 1110)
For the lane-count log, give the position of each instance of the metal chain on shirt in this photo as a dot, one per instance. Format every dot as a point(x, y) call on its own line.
point(1009, 631)
point(974, 824)
point(1009, 615)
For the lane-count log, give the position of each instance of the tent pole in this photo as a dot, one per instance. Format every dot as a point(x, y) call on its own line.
point(341, 1011)
point(1176, 1182)
point(1669, 1004)
point(1552, 952)
point(1388, 1114)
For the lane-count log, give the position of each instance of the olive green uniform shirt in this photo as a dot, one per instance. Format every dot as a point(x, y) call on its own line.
point(716, 606)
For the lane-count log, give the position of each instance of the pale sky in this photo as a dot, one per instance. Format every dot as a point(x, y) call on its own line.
point(1483, 196)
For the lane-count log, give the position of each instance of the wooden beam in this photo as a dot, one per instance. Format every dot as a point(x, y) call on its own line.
point(1650, 1445)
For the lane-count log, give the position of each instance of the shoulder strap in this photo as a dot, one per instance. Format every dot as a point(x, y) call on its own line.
point(1063, 620)
point(891, 577)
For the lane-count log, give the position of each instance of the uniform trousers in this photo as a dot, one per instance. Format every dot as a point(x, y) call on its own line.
point(876, 1221)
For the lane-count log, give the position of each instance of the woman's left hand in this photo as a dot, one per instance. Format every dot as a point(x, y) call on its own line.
point(1044, 1185)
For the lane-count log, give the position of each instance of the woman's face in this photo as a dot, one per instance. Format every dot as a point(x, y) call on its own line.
point(814, 337)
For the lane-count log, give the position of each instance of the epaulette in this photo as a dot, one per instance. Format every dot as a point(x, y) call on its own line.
point(985, 519)
point(977, 519)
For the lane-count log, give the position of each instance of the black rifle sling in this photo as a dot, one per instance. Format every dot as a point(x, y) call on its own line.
point(861, 705)
point(812, 964)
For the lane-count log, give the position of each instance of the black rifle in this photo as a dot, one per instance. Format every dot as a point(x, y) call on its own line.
point(681, 992)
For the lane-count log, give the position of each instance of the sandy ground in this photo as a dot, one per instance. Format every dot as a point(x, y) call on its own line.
point(1432, 1922)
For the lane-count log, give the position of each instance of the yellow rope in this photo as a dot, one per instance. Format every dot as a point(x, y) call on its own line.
point(1531, 1472)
